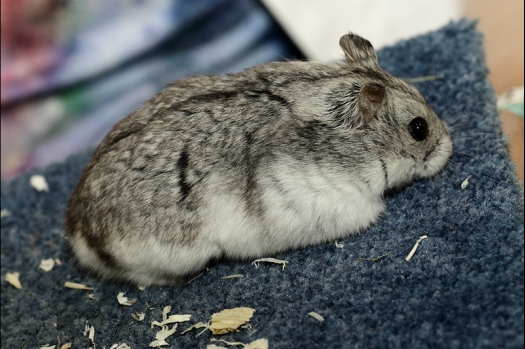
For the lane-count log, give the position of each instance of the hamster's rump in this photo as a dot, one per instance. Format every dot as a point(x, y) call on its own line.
point(279, 157)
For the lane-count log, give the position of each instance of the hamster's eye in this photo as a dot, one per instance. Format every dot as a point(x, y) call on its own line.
point(418, 129)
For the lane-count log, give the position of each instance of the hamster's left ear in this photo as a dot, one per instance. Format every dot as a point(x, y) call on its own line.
point(358, 50)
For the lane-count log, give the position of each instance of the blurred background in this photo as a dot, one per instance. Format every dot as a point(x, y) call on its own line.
point(70, 69)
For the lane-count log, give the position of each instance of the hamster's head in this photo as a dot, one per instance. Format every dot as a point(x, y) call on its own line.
point(394, 125)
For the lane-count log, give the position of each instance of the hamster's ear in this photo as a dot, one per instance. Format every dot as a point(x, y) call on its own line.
point(358, 50)
point(355, 106)
point(371, 99)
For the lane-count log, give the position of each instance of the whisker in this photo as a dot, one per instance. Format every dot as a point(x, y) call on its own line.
point(463, 138)
point(473, 134)
point(462, 153)
point(457, 126)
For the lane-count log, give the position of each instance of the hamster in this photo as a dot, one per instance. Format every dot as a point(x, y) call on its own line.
point(279, 157)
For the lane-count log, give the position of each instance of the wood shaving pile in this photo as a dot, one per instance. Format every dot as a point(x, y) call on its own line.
point(269, 260)
point(122, 300)
point(414, 249)
point(47, 264)
point(39, 183)
point(12, 278)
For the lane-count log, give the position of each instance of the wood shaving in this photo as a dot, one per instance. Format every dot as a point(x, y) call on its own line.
point(91, 296)
point(5, 213)
point(89, 331)
point(120, 346)
point(12, 278)
point(39, 183)
point(269, 260)
point(47, 346)
point(66, 346)
point(47, 264)
point(227, 342)
point(229, 320)
point(138, 316)
point(261, 343)
point(465, 182)
point(197, 325)
point(339, 244)
point(158, 343)
point(160, 337)
point(165, 332)
point(414, 249)
point(171, 319)
point(165, 312)
point(77, 286)
point(373, 259)
point(233, 276)
point(316, 316)
point(57, 261)
point(123, 300)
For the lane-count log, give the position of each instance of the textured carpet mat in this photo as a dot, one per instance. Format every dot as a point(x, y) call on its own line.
point(463, 287)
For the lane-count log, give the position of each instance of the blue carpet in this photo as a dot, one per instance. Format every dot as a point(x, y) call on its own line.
point(462, 289)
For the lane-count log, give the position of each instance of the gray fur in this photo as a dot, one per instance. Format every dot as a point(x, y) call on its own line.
point(268, 150)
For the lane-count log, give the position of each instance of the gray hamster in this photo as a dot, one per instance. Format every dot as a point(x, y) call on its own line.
point(281, 156)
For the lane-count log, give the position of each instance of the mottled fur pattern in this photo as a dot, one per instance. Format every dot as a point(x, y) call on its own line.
point(281, 156)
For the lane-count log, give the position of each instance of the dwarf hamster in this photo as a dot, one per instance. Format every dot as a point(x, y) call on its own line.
point(281, 156)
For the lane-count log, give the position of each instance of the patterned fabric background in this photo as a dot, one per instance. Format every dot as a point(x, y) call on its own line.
point(72, 69)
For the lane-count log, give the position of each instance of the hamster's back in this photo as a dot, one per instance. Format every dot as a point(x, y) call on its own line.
point(150, 181)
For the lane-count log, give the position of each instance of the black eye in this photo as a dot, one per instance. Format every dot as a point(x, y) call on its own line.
point(418, 129)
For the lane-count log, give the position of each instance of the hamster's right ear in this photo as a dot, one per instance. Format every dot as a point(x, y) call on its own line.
point(358, 50)
point(355, 106)
point(371, 99)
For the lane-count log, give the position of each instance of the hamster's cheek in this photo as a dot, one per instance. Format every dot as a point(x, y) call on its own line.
point(438, 158)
